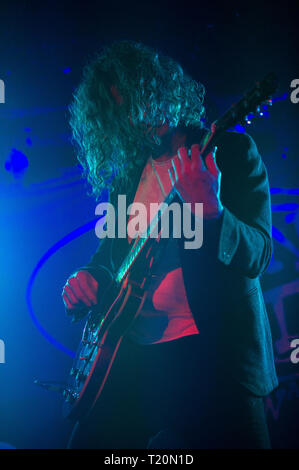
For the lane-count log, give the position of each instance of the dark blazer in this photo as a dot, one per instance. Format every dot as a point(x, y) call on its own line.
point(222, 277)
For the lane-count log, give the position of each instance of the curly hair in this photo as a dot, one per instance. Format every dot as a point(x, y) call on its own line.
point(127, 91)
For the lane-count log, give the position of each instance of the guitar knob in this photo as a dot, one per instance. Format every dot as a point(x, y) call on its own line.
point(69, 396)
point(259, 111)
point(84, 358)
point(73, 371)
point(80, 377)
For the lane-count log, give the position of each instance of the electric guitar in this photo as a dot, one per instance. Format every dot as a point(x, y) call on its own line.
point(108, 323)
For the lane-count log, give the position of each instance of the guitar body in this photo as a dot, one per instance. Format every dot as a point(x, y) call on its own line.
point(102, 336)
point(101, 339)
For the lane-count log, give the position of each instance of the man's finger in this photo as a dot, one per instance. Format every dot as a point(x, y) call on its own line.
point(88, 287)
point(196, 157)
point(212, 164)
point(184, 158)
point(85, 278)
point(71, 295)
point(76, 288)
point(66, 301)
point(177, 168)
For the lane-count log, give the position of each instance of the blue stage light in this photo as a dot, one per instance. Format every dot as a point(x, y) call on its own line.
point(17, 163)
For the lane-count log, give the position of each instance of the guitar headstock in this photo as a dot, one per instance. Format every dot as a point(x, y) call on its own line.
point(252, 102)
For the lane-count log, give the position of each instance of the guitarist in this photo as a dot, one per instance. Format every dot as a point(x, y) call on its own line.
point(194, 368)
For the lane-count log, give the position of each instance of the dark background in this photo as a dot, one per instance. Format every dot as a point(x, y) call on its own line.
point(43, 47)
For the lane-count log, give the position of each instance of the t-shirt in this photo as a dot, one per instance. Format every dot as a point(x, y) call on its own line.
point(165, 315)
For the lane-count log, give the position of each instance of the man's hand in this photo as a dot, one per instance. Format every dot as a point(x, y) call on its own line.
point(196, 181)
point(80, 291)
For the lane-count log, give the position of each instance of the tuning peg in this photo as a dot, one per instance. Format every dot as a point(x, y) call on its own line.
point(259, 111)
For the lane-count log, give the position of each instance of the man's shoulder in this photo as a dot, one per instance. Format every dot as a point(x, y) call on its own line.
point(230, 144)
point(242, 140)
point(237, 152)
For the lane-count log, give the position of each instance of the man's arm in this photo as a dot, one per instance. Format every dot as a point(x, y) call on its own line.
point(245, 241)
point(233, 186)
point(83, 287)
point(100, 264)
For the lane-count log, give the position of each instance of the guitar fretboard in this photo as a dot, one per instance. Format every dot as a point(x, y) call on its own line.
point(131, 257)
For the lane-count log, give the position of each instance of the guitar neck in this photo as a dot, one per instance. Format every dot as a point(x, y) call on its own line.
point(143, 238)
